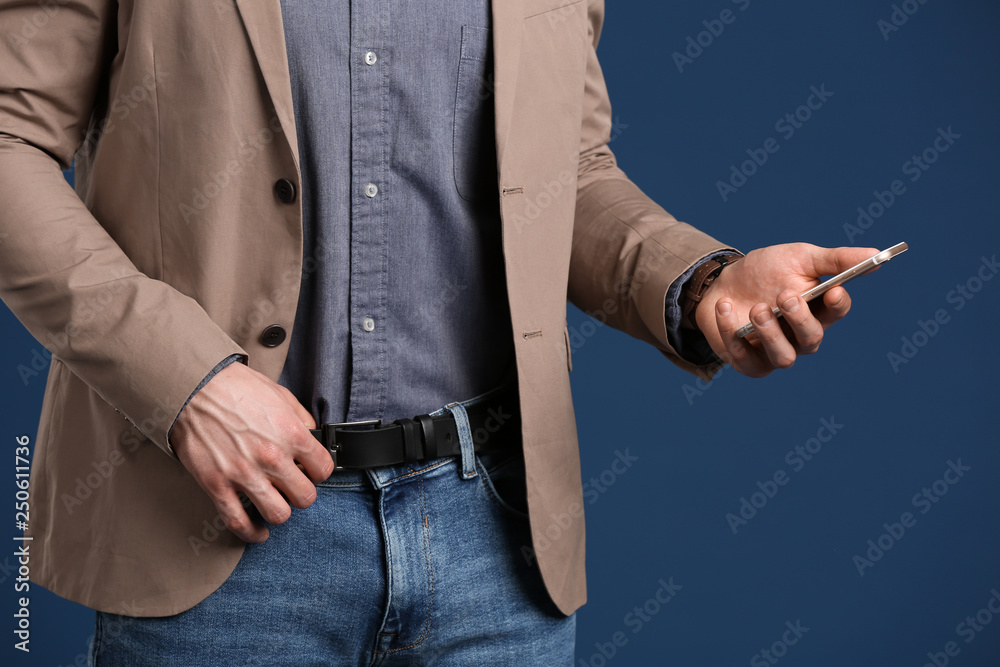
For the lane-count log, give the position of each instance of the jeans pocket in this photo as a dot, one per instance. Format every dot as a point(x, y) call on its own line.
point(474, 147)
point(503, 478)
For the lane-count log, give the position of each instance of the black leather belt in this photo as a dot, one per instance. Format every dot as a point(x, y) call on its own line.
point(495, 424)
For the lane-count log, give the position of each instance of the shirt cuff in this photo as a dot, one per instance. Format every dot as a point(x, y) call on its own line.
point(691, 345)
point(211, 374)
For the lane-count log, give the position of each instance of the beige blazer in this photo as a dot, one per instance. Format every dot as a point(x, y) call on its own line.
point(174, 252)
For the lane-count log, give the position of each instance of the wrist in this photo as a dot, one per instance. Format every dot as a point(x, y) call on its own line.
point(699, 285)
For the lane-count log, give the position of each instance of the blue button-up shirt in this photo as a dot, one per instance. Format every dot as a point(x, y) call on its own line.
point(403, 305)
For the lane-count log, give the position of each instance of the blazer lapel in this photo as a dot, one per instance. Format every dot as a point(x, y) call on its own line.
point(508, 33)
point(262, 20)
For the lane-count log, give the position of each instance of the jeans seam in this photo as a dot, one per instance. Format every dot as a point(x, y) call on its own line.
point(430, 578)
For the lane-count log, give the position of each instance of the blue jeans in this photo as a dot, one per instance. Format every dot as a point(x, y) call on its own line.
point(402, 565)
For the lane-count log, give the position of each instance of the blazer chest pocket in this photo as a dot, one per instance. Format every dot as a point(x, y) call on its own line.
point(474, 149)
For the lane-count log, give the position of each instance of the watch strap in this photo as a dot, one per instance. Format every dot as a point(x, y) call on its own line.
point(698, 284)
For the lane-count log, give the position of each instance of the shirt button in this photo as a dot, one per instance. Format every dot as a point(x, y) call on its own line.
point(369, 324)
point(371, 58)
point(371, 190)
point(284, 191)
point(273, 336)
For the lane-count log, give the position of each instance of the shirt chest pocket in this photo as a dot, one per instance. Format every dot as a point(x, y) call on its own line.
point(474, 149)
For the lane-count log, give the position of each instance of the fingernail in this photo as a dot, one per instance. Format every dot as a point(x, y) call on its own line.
point(791, 305)
point(724, 308)
point(764, 319)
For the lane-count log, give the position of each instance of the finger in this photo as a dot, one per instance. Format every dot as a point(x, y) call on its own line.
point(297, 488)
point(830, 261)
point(236, 518)
point(269, 503)
point(776, 346)
point(743, 356)
point(315, 458)
point(805, 328)
point(275, 467)
point(836, 304)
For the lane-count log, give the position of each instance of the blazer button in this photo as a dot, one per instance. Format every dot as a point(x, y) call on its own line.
point(284, 191)
point(273, 336)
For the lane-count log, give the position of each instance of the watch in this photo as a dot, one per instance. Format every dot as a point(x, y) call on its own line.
point(699, 283)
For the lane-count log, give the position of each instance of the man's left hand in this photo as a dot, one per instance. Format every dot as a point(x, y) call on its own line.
point(768, 277)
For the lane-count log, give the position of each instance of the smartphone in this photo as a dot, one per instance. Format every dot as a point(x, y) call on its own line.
point(857, 270)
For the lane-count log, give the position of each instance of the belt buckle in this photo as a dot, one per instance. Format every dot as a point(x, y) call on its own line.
point(329, 432)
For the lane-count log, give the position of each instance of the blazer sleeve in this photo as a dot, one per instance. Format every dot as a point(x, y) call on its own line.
point(627, 250)
point(141, 345)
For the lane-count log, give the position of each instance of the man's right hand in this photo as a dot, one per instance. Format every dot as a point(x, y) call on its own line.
point(243, 432)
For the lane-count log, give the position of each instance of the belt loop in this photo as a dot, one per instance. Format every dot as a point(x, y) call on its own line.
point(464, 438)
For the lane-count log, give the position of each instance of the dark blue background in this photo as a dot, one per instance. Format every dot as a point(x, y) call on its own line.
point(701, 449)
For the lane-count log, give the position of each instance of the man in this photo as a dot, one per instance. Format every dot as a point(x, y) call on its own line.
point(276, 234)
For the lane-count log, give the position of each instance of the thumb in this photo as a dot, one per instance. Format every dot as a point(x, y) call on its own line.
point(830, 261)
